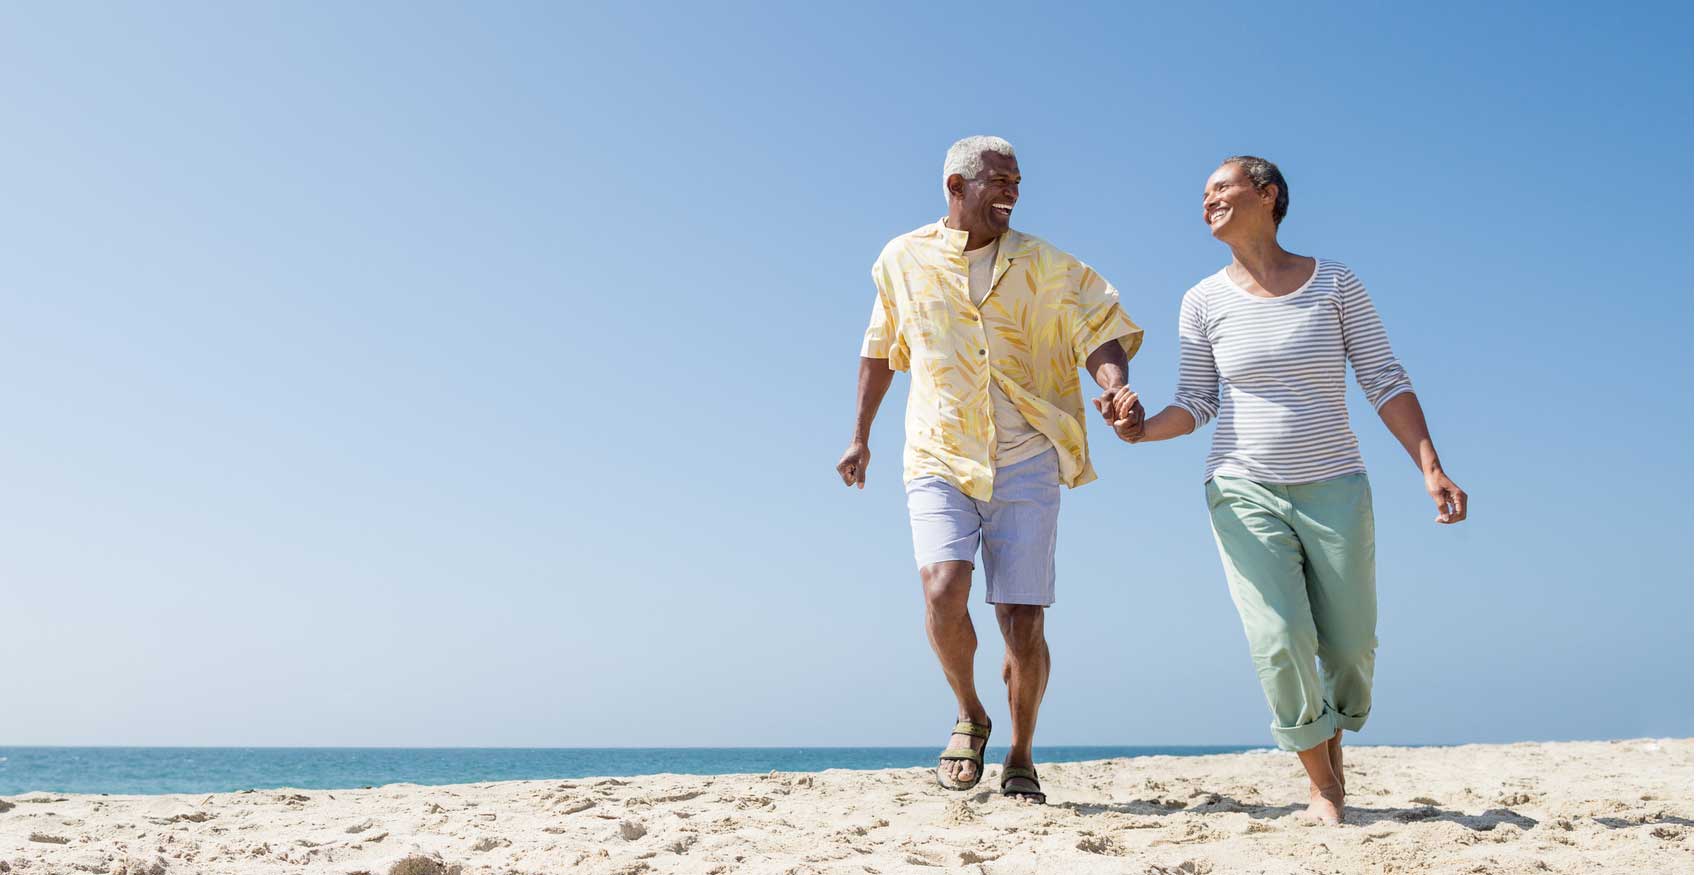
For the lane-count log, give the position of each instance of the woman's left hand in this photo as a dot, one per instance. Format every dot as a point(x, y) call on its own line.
point(1451, 500)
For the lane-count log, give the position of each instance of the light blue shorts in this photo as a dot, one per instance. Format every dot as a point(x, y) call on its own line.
point(1017, 528)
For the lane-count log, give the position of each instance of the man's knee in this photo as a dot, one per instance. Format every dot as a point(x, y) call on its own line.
point(947, 585)
point(1021, 626)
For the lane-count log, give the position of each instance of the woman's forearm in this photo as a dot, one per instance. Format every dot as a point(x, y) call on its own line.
point(1172, 422)
point(1406, 420)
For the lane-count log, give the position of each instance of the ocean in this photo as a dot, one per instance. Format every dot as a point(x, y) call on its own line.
point(149, 770)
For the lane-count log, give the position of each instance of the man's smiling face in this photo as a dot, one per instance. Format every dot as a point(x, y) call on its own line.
point(987, 202)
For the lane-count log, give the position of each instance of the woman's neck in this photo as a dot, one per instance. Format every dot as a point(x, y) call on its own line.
point(1261, 257)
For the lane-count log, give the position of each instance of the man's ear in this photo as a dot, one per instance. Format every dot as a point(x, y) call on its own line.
point(1269, 194)
point(956, 185)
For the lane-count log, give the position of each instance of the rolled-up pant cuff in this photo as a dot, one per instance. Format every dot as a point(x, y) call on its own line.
point(1352, 724)
point(1307, 735)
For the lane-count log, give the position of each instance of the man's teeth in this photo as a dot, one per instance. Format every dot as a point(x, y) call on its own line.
point(1007, 207)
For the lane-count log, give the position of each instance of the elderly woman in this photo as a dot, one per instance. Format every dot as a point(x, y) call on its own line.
point(1263, 345)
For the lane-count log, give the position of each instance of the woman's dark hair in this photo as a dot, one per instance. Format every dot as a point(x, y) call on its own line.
point(1263, 173)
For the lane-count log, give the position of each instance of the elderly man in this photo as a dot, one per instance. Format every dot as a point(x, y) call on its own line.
point(992, 324)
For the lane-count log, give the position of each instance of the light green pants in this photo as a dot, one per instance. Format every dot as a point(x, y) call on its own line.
point(1300, 563)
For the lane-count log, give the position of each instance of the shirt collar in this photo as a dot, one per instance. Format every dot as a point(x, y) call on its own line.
point(1013, 244)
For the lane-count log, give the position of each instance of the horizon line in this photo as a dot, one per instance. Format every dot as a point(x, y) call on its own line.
point(1262, 745)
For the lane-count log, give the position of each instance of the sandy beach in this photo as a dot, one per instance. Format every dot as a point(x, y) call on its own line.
point(1578, 807)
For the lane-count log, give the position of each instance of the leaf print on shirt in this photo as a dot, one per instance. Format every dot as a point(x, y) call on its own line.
point(1024, 338)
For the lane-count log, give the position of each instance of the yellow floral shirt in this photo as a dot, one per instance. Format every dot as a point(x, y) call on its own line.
point(1046, 312)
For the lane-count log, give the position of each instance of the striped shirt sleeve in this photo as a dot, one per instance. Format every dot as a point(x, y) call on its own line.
point(1367, 345)
point(1198, 375)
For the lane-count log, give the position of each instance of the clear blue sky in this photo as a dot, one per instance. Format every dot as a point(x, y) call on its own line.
point(436, 374)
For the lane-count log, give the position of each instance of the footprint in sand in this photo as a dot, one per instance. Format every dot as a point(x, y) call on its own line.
point(1103, 845)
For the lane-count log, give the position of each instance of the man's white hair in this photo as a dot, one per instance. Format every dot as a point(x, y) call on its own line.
point(966, 157)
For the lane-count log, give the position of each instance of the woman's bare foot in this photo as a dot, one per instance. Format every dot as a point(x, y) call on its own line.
point(1324, 786)
point(1325, 804)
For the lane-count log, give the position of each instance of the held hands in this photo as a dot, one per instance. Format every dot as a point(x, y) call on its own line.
point(853, 465)
point(1451, 500)
point(1122, 410)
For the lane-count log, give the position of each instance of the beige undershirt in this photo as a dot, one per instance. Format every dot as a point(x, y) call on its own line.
point(1015, 439)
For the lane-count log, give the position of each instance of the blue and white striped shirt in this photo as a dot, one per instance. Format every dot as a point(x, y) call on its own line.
point(1283, 412)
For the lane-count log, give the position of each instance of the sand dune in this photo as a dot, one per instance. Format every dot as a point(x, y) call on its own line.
point(1586, 807)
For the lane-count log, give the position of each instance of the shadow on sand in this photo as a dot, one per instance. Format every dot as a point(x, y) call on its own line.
point(1357, 814)
point(1623, 823)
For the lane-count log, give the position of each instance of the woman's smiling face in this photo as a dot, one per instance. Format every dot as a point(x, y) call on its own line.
point(1230, 202)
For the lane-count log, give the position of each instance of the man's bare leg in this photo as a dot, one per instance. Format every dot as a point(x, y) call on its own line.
point(1026, 674)
point(1325, 792)
point(948, 624)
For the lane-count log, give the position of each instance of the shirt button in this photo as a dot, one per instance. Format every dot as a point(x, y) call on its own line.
point(981, 352)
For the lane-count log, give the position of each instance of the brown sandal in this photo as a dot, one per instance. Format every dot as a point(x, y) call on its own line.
point(969, 754)
point(1010, 773)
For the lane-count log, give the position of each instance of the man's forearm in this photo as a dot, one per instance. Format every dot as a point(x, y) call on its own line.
point(1108, 365)
point(875, 377)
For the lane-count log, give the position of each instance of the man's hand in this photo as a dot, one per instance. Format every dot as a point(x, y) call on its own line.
point(1116, 403)
point(1451, 501)
point(1122, 409)
point(853, 465)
